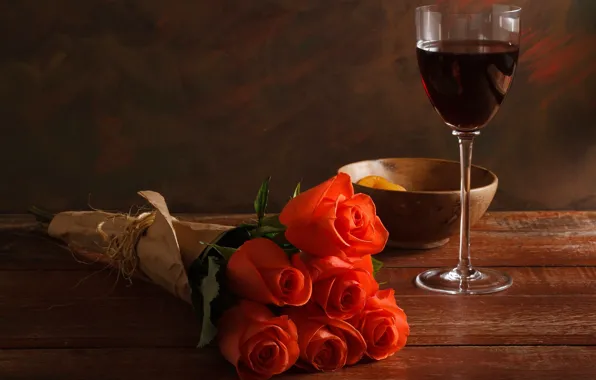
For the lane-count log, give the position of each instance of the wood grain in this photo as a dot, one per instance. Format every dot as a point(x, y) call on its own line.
point(56, 310)
point(90, 283)
point(521, 221)
point(100, 283)
point(527, 281)
point(505, 249)
point(29, 252)
point(501, 239)
point(528, 221)
point(412, 363)
point(97, 322)
point(549, 238)
point(166, 322)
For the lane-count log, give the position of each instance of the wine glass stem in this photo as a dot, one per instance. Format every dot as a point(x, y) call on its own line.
point(464, 267)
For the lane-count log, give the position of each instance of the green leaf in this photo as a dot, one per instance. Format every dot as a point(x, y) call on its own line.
point(267, 231)
point(377, 265)
point(272, 221)
point(270, 227)
point(226, 244)
point(209, 289)
point(226, 252)
point(261, 200)
point(296, 191)
point(247, 226)
point(207, 279)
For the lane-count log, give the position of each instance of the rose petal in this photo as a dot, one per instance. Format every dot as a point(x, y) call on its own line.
point(354, 216)
point(313, 324)
point(354, 341)
point(385, 342)
point(385, 299)
point(380, 237)
point(264, 254)
point(364, 202)
point(383, 324)
point(249, 328)
point(245, 280)
point(318, 236)
point(367, 281)
point(233, 324)
point(254, 272)
point(332, 279)
point(331, 355)
point(267, 358)
point(370, 238)
point(301, 209)
point(364, 263)
point(289, 286)
point(281, 326)
point(305, 293)
point(345, 284)
point(315, 344)
point(321, 268)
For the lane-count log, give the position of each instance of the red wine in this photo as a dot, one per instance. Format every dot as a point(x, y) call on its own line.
point(466, 81)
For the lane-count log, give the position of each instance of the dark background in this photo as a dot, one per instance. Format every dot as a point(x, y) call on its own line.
point(201, 100)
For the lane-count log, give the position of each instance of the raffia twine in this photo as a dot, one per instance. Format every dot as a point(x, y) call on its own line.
point(122, 248)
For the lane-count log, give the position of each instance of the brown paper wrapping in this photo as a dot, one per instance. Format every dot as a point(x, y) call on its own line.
point(164, 252)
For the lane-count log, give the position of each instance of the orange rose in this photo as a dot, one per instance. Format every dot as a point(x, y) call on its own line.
point(261, 271)
point(256, 342)
point(340, 287)
point(329, 220)
point(383, 325)
point(326, 344)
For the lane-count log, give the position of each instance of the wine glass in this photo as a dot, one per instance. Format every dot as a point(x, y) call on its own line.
point(467, 62)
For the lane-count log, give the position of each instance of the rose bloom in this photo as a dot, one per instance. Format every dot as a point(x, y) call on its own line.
point(326, 344)
point(261, 271)
point(340, 287)
point(383, 325)
point(259, 344)
point(330, 220)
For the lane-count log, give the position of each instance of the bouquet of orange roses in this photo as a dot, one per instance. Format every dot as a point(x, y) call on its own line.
point(294, 289)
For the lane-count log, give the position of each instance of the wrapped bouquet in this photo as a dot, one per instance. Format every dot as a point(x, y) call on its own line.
point(294, 289)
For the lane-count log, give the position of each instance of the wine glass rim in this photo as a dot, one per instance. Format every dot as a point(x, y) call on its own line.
point(513, 9)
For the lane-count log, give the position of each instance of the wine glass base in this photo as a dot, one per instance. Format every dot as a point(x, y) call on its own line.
point(480, 281)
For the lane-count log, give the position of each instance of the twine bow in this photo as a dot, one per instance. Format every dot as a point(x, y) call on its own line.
point(122, 248)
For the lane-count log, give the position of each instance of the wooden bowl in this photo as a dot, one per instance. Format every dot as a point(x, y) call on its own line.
point(428, 214)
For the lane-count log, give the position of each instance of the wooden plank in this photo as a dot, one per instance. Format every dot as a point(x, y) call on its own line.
point(17, 221)
point(539, 281)
point(420, 363)
point(114, 364)
point(505, 249)
point(167, 322)
point(522, 221)
point(514, 320)
point(27, 251)
point(74, 284)
point(533, 221)
point(97, 322)
point(21, 250)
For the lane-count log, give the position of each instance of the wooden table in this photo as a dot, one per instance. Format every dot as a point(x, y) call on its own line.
point(60, 319)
